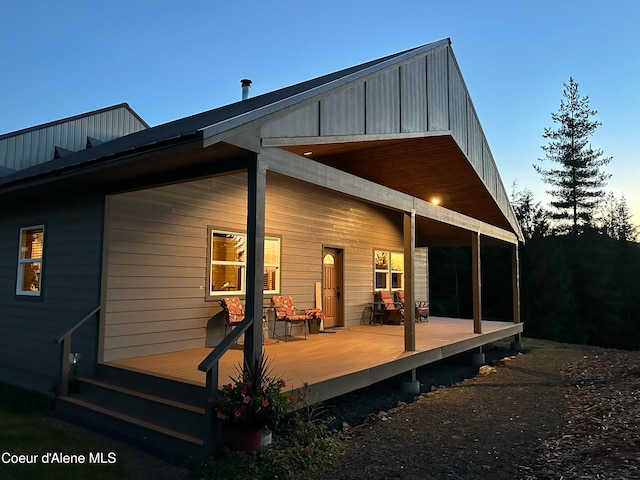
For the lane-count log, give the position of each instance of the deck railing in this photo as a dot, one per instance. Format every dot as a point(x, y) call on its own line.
point(65, 349)
point(210, 366)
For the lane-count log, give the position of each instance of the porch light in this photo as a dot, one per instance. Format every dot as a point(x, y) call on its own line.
point(435, 200)
point(307, 154)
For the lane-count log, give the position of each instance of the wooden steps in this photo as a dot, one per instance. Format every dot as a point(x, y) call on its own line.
point(162, 416)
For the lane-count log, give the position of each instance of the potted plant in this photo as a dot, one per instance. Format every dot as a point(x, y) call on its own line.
point(316, 315)
point(252, 401)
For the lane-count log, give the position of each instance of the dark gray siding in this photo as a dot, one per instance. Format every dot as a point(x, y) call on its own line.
point(70, 288)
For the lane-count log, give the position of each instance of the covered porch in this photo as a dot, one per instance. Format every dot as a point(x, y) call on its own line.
point(335, 363)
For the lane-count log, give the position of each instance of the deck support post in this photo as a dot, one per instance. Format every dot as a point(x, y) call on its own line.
point(411, 384)
point(476, 281)
point(409, 233)
point(478, 358)
point(257, 186)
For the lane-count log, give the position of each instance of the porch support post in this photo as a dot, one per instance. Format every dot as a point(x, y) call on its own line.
point(257, 184)
point(476, 281)
point(515, 288)
point(409, 224)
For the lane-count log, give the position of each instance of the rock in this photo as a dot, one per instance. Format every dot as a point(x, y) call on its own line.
point(486, 370)
point(401, 404)
point(345, 427)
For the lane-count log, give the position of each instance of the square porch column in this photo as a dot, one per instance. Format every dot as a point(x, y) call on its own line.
point(409, 233)
point(257, 182)
point(476, 282)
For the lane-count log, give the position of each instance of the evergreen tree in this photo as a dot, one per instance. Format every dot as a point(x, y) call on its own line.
point(615, 219)
point(578, 182)
point(627, 232)
point(533, 219)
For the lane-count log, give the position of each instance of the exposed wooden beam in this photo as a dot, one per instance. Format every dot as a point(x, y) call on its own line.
point(360, 139)
point(316, 173)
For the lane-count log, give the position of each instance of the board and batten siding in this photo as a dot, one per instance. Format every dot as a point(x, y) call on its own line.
point(156, 262)
point(425, 94)
point(32, 146)
point(70, 289)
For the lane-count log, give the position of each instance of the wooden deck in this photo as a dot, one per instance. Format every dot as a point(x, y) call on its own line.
point(336, 363)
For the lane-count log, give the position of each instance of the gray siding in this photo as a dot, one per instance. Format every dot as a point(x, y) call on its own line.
point(70, 286)
point(36, 145)
point(157, 242)
point(425, 94)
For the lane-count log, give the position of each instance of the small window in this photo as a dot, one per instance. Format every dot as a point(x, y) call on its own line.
point(30, 255)
point(227, 254)
point(388, 270)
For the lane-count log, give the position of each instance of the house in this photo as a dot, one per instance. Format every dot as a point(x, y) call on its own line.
point(117, 240)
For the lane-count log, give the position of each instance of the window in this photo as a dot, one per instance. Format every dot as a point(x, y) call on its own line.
point(29, 279)
point(228, 263)
point(388, 270)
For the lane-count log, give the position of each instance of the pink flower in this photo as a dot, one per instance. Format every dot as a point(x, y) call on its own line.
point(282, 383)
point(246, 399)
point(265, 403)
point(290, 398)
point(243, 390)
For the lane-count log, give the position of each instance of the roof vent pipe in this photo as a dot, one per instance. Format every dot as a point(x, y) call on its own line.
point(246, 85)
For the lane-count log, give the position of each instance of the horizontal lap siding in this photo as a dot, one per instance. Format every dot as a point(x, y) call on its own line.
point(70, 289)
point(157, 255)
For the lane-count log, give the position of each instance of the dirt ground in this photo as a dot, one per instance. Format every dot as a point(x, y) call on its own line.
point(555, 412)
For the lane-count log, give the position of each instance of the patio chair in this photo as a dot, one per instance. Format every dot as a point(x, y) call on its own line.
point(233, 312)
point(285, 311)
point(392, 311)
point(422, 307)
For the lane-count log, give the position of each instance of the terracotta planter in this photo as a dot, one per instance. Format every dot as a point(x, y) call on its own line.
point(241, 439)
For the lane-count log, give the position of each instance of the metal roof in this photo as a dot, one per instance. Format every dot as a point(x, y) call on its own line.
point(222, 118)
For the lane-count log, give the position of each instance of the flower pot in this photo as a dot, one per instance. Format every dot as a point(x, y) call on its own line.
point(314, 325)
point(241, 439)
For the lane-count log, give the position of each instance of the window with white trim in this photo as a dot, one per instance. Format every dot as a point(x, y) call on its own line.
point(227, 255)
point(30, 255)
point(388, 270)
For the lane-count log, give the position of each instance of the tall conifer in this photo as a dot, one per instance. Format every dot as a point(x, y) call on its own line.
point(577, 184)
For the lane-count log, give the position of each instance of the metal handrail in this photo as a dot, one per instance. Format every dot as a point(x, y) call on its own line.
point(210, 366)
point(214, 356)
point(65, 349)
point(77, 325)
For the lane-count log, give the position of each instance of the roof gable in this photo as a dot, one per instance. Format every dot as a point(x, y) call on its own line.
point(42, 143)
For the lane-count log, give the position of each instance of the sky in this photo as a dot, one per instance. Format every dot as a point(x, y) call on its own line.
point(168, 60)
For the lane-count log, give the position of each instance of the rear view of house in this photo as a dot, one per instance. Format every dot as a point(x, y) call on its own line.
point(118, 240)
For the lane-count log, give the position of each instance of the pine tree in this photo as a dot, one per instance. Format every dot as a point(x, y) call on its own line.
point(627, 232)
point(533, 219)
point(615, 219)
point(578, 182)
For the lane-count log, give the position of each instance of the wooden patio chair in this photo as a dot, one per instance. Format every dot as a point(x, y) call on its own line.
point(422, 307)
point(392, 311)
point(285, 311)
point(233, 311)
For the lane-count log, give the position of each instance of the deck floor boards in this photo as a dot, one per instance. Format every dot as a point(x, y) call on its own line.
point(352, 354)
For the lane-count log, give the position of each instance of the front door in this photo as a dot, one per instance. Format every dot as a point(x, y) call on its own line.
point(332, 286)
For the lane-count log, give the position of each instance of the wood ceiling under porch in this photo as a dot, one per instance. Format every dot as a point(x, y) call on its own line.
point(336, 363)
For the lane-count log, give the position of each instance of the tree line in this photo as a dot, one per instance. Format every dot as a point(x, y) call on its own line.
point(580, 263)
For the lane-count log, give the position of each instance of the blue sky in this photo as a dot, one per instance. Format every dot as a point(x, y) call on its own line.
point(172, 59)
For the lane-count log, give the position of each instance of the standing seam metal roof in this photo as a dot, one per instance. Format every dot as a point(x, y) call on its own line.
point(194, 124)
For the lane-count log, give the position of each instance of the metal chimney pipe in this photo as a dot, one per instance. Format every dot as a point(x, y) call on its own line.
point(246, 85)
